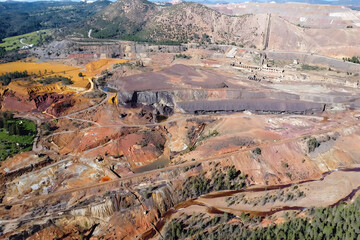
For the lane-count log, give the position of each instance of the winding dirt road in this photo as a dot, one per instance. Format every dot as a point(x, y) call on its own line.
point(169, 168)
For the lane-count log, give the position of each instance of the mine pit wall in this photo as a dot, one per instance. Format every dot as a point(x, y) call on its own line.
point(100, 208)
point(266, 106)
point(200, 101)
point(308, 58)
point(93, 50)
point(127, 49)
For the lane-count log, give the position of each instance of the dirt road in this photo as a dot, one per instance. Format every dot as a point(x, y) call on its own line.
point(153, 172)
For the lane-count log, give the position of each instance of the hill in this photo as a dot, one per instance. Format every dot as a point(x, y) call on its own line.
point(17, 18)
point(327, 2)
point(142, 20)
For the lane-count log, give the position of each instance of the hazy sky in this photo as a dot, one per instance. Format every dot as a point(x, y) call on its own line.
point(222, 1)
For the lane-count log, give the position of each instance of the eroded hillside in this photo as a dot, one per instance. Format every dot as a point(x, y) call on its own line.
point(184, 22)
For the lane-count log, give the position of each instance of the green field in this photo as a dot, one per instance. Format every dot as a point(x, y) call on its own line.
point(13, 43)
point(16, 136)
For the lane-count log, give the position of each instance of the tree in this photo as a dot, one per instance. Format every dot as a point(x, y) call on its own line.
point(257, 151)
point(232, 173)
point(2, 52)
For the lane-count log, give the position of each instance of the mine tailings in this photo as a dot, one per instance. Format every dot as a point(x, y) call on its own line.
point(192, 202)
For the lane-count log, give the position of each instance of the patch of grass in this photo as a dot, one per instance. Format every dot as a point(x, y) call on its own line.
point(128, 64)
point(307, 67)
point(16, 135)
point(55, 79)
point(34, 38)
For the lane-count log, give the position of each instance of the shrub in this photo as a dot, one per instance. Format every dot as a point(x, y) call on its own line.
point(257, 151)
point(313, 144)
point(55, 79)
point(184, 56)
point(6, 78)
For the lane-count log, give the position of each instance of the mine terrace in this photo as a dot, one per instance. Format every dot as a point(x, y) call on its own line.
point(109, 138)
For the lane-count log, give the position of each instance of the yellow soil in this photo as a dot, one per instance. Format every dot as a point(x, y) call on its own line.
point(113, 99)
point(97, 67)
point(56, 68)
point(33, 67)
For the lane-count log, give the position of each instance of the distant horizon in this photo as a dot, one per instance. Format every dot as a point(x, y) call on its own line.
point(331, 2)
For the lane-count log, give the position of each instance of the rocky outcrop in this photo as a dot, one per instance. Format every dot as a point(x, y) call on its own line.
point(163, 199)
point(162, 102)
point(14, 101)
point(42, 102)
point(58, 108)
point(102, 211)
point(218, 100)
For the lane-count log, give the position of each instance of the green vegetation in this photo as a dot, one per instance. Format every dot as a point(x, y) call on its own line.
point(2, 52)
point(289, 194)
point(34, 38)
point(202, 138)
point(339, 222)
point(13, 56)
point(128, 64)
point(6, 78)
point(143, 21)
point(16, 135)
point(19, 18)
point(55, 79)
point(306, 67)
point(214, 133)
point(227, 178)
point(182, 56)
point(187, 168)
point(47, 128)
point(257, 151)
point(353, 59)
point(313, 143)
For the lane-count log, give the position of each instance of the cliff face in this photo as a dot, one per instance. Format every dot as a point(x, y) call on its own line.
point(164, 199)
point(202, 101)
point(162, 102)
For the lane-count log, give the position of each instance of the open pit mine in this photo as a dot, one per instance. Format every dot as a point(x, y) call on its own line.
point(112, 139)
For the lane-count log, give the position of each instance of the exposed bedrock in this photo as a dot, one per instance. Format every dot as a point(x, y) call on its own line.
point(218, 100)
point(94, 50)
point(170, 97)
point(355, 104)
point(253, 105)
point(162, 102)
point(329, 98)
